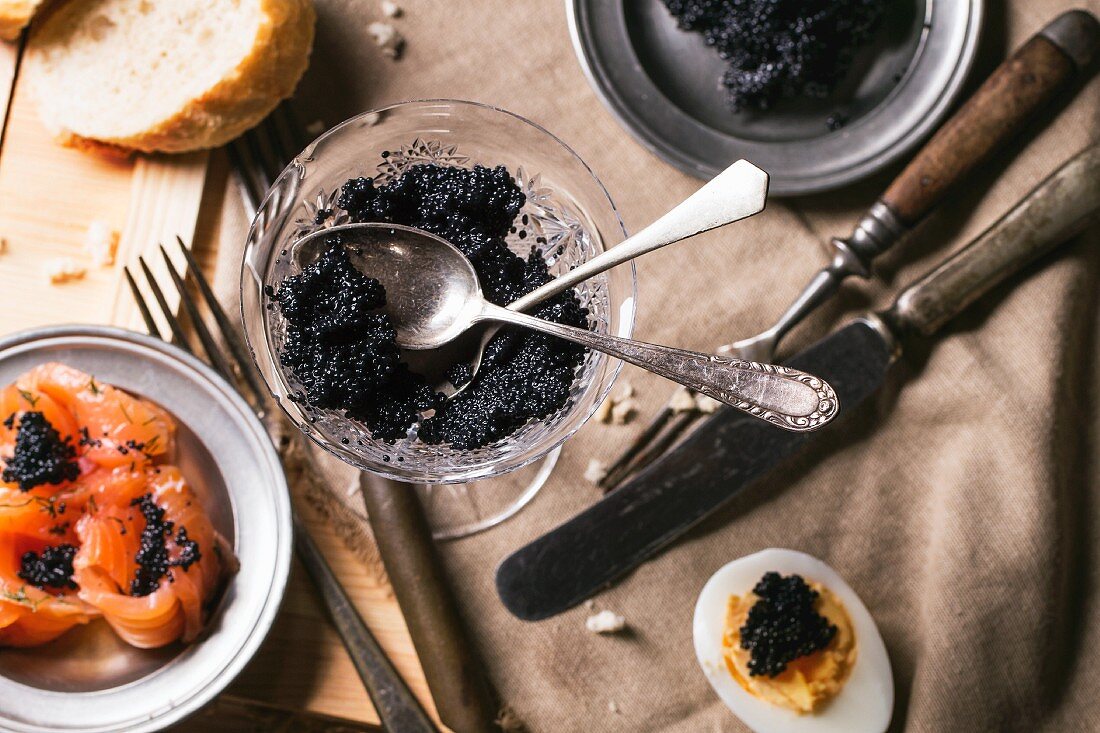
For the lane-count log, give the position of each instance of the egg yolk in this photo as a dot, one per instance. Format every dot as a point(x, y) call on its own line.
point(808, 681)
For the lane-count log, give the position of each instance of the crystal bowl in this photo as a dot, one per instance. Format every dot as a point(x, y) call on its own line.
point(571, 219)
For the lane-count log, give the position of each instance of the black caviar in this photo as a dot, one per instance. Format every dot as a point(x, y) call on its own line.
point(344, 350)
point(190, 553)
point(523, 376)
point(780, 49)
point(783, 624)
point(51, 568)
point(152, 555)
point(41, 456)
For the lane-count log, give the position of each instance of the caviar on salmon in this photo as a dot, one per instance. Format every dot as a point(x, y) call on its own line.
point(41, 455)
point(123, 537)
point(783, 624)
point(50, 568)
point(152, 558)
point(777, 49)
point(343, 349)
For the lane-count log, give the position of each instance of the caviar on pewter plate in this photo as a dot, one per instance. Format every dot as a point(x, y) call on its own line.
point(340, 346)
point(95, 522)
point(790, 648)
point(781, 49)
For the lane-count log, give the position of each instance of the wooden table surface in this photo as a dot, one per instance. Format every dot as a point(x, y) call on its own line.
point(48, 196)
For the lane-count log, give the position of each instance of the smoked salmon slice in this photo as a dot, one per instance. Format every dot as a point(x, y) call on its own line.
point(159, 597)
point(31, 615)
point(94, 521)
point(116, 428)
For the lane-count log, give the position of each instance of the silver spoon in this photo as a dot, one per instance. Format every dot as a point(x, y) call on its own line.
point(433, 297)
point(736, 193)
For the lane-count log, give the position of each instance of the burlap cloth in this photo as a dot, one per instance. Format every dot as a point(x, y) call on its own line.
point(961, 505)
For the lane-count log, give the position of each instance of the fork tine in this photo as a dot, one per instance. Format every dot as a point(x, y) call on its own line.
point(178, 337)
point(287, 134)
point(258, 141)
point(260, 155)
point(143, 308)
point(225, 327)
point(241, 158)
point(217, 358)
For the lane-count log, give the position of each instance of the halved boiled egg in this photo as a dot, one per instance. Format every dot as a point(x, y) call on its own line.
point(849, 675)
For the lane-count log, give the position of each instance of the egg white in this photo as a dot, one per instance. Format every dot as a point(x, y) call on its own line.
point(865, 702)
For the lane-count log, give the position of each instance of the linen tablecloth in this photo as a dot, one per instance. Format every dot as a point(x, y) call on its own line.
point(961, 504)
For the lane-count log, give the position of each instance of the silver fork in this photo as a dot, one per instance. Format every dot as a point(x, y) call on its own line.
point(395, 703)
point(259, 155)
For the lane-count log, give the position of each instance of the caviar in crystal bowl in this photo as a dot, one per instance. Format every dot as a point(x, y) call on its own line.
point(566, 218)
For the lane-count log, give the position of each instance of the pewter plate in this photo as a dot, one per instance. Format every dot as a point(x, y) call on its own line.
point(663, 84)
point(89, 681)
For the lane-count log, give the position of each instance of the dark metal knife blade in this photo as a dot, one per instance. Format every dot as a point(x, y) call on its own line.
point(728, 453)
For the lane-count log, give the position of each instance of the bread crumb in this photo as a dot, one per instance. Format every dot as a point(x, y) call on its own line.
point(623, 411)
point(706, 405)
point(316, 127)
point(605, 622)
point(3, 246)
point(682, 401)
point(596, 471)
point(387, 39)
point(603, 412)
point(613, 707)
point(619, 409)
point(370, 119)
point(509, 721)
point(390, 9)
point(590, 604)
point(101, 243)
point(60, 270)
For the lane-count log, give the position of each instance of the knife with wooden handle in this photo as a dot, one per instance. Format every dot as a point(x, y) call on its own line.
point(452, 667)
point(1048, 63)
point(994, 114)
point(726, 453)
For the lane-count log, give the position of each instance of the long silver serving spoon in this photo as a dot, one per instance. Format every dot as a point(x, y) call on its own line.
point(433, 297)
point(736, 193)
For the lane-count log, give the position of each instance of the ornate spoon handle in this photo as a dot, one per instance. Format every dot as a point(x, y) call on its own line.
point(780, 395)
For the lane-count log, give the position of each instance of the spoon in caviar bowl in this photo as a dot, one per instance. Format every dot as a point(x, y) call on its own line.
point(738, 192)
point(433, 297)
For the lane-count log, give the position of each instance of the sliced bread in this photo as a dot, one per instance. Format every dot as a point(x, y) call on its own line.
point(15, 15)
point(154, 75)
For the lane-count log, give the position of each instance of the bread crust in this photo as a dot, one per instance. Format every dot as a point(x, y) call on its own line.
point(15, 15)
point(240, 100)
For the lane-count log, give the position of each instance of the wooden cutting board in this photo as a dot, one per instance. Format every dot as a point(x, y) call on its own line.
point(48, 197)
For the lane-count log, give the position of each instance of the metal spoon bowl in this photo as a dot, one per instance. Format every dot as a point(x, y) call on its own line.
point(433, 297)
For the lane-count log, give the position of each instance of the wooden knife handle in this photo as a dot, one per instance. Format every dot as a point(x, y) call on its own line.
point(1059, 207)
point(452, 668)
point(995, 113)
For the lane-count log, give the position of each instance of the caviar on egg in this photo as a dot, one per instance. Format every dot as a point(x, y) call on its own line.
point(783, 624)
point(41, 456)
point(780, 49)
point(343, 349)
